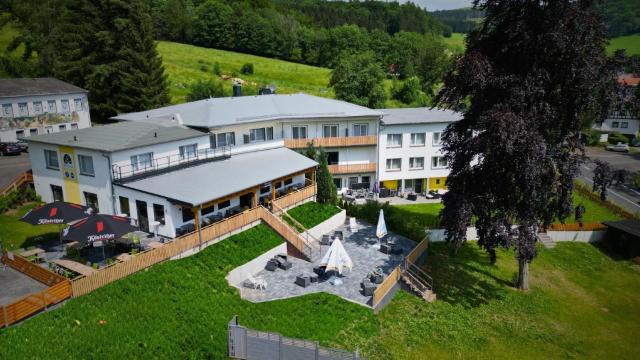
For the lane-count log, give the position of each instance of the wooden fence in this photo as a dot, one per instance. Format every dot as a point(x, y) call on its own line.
point(24, 178)
point(59, 289)
point(577, 227)
point(295, 197)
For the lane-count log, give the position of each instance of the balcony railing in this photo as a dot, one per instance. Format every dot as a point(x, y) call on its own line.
point(165, 164)
point(332, 141)
point(352, 169)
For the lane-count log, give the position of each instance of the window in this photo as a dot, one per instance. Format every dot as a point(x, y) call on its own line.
point(330, 130)
point(78, 104)
point(85, 163)
point(53, 108)
point(37, 107)
point(615, 124)
point(394, 140)
point(289, 181)
point(438, 162)
point(352, 181)
point(51, 158)
point(7, 110)
point(74, 126)
point(222, 139)
point(124, 206)
point(417, 139)
point(62, 127)
point(299, 132)
point(64, 104)
point(224, 204)
point(188, 151)
point(23, 110)
point(338, 182)
point(19, 134)
point(158, 213)
point(187, 214)
point(261, 134)
point(208, 209)
point(91, 200)
point(437, 137)
point(33, 132)
point(394, 164)
point(265, 188)
point(58, 195)
point(624, 125)
point(333, 157)
point(141, 162)
point(48, 129)
point(360, 129)
point(416, 163)
point(365, 179)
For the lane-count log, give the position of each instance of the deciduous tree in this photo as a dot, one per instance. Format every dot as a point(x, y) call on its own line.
point(602, 178)
point(358, 79)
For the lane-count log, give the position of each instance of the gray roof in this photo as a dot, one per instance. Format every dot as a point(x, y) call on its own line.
point(118, 136)
point(215, 112)
point(629, 226)
point(419, 116)
point(213, 180)
point(37, 86)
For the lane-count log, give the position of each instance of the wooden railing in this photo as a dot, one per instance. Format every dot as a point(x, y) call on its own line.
point(577, 227)
point(332, 141)
point(24, 178)
point(59, 289)
point(288, 233)
point(352, 168)
point(295, 197)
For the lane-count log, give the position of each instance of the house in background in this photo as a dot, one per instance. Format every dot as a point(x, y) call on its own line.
point(348, 132)
point(40, 106)
point(409, 148)
point(621, 119)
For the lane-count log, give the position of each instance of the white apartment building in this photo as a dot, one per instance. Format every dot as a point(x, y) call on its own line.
point(620, 119)
point(348, 132)
point(409, 149)
point(40, 106)
point(163, 176)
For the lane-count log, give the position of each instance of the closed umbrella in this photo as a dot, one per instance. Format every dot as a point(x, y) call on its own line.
point(381, 229)
point(336, 258)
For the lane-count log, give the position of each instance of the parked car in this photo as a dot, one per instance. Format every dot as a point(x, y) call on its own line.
point(620, 147)
point(10, 149)
point(24, 146)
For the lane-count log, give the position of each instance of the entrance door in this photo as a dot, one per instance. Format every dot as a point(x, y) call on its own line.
point(418, 186)
point(143, 216)
point(246, 200)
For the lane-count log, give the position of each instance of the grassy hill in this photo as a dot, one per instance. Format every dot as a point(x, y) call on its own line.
point(456, 42)
point(630, 42)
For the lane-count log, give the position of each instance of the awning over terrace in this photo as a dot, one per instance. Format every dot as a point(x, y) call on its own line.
point(197, 185)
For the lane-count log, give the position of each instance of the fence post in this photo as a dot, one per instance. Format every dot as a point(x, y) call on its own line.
point(4, 316)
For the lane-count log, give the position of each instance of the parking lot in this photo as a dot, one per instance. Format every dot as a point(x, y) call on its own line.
point(11, 166)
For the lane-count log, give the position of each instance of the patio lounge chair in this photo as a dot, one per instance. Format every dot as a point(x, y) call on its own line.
point(285, 265)
point(272, 265)
point(253, 283)
point(353, 224)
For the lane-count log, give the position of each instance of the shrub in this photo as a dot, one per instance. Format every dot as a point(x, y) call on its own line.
point(636, 180)
point(204, 68)
point(204, 89)
point(410, 92)
point(616, 137)
point(247, 69)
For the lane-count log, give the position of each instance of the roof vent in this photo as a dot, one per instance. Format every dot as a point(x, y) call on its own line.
point(155, 134)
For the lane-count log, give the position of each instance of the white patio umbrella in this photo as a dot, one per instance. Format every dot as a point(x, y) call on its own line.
point(336, 258)
point(381, 229)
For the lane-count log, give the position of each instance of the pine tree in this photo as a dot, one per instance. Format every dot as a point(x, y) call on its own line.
point(327, 192)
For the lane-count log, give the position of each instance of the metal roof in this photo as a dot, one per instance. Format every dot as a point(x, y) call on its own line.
point(118, 136)
point(630, 226)
point(215, 112)
point(36, 86)
point(210, 181)
point(419, 116)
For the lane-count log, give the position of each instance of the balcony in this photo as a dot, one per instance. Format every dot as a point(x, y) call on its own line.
point(332, 141)
point(352, 168)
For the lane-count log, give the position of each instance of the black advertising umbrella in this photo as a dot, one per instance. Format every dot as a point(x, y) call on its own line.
point(57, 212)
point(98, 228)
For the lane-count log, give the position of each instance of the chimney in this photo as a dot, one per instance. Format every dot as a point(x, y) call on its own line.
point(237, 89)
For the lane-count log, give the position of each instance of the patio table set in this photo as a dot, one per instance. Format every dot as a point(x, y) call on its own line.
point(278, 262)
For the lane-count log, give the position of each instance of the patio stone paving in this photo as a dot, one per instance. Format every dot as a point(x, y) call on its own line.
point(365, 257)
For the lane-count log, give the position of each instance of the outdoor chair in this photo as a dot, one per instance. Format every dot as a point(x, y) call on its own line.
point(326, 240)
point(338, 235)
point(271, 265)
point(284, 264)
point(367, 287)
point(320, 271)
point(303, 281)
point(253, 283)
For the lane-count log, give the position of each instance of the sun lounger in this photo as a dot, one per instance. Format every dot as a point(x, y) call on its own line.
point(271, 265)
point(253, 283)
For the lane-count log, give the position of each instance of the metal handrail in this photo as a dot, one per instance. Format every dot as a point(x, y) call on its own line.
point(410, 268)
point(166, 162)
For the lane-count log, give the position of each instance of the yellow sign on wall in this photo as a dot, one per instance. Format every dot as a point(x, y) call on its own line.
point(70, 174)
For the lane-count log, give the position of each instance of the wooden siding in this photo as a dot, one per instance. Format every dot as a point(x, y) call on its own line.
point(295, 197)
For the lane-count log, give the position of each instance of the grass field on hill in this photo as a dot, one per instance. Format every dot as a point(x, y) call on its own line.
point(456, 42)
point(631, 43)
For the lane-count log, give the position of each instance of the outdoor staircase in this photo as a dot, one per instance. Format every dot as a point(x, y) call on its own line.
point(418, 281)
point(310, 245)
point(546, 240)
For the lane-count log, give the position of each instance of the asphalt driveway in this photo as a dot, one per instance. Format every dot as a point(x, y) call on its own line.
point(11, 166)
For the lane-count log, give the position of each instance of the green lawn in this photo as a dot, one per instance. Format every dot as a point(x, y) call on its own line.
point(17, 234)
point(455, 43)
point(184, 64)
point(581, 304)
point(630, 42)
point(312, 213)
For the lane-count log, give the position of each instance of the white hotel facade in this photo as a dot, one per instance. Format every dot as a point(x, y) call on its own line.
point(166, 166)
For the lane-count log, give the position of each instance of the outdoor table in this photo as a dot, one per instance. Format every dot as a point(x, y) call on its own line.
point(155, 244)
point(367, 288)
point(303, 280)
point(31, 252)
point(123, 257)
point(75, 266)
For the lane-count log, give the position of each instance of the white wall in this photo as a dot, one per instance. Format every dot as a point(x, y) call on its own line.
point(438, 235)
point(633, 126)
point(407, 151)
point(172, 220)
point(315, 126)
point(123, 157)
point(9, 134)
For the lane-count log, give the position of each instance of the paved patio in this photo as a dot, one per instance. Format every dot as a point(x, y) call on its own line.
point(16, 285)
point(365, 257)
